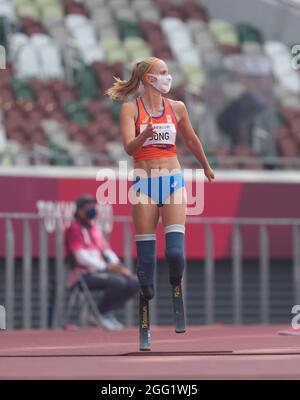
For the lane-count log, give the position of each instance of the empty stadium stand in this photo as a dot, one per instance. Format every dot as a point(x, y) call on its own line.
point(61, 57)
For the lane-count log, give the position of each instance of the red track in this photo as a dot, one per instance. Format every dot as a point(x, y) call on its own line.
point(206, 352)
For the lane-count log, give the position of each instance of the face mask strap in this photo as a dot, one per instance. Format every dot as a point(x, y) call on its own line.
point(160, 75)
point(150, 67)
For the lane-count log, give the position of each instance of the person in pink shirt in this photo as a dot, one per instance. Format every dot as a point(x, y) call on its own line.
point(89, 252)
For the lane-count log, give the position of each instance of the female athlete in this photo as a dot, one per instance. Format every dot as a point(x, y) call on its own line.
point(149, 125)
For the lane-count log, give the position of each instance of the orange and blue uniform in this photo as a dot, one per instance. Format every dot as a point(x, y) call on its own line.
point(162, 144)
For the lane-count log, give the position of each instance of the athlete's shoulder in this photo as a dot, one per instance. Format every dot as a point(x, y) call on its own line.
point(128, 105)
point(129, 108)
point(178, 106)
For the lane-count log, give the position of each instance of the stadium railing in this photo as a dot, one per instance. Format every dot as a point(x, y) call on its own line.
point(209, 266)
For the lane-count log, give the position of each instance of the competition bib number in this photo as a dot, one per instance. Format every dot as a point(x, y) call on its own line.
point(165, 134)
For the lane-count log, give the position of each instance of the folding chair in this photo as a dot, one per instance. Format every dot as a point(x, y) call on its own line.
point(81, 296)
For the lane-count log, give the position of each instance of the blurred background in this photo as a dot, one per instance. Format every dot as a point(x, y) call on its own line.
point(232, 64)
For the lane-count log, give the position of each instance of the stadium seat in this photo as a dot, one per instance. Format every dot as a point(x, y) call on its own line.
point(128, 29)
point(49, 56)
point(87, 85)
point(252, 48)
point(248, 33)
point(7, 10)
point(125, 14)
point(189, 56)
point(3, 137)
point(224, 32)
point(28, 9)
point(16, 42)
point(76, 112)
point(27, 63)
point(117, 54)
point(93, 4)
point(102, 16)
point(136, 48)
point(111, 32)
point(194, 75)
point(149, 14)
point(55, 133)
point(22, 90)
point(58, 32)
point(108, 43)
point(52, 12)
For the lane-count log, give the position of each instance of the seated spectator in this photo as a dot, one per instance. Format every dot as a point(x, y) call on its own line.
point(100, 267)
point(238, 118)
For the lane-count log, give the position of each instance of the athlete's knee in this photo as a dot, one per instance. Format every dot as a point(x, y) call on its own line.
point(146, 253)
point(175, 254)
point(175, 243)
point(147, 291)
point(146, 258)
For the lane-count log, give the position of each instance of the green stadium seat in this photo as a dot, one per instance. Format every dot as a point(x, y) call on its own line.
point(248, 33)
point(77, 112)
point(59, 156)
point(22, 89)
point(5, 27)
point(128, 29)
point(2, 31)
point(115, 109)
point(86, 83)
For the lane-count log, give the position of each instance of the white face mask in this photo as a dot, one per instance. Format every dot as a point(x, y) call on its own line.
point(163, 83)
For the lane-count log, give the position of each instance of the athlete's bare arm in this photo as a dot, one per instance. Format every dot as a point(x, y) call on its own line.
point(190, 137)
point(127, 125)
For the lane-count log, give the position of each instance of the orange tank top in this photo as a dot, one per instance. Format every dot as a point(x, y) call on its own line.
point(162, 144)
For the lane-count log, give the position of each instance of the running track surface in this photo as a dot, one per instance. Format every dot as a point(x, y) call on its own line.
point(203, 352)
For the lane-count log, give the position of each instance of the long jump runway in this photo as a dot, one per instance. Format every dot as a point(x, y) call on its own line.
point(203, 352)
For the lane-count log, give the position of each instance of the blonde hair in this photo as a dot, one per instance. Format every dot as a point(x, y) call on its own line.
point(121, 89)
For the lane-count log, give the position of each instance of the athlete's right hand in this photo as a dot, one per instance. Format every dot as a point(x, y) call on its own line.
point(149, 131)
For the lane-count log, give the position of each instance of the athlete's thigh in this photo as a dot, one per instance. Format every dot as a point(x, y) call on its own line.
point(145, 218)
point(174, 210)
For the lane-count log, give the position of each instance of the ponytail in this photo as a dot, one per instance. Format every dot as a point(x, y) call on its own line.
point(121, 89)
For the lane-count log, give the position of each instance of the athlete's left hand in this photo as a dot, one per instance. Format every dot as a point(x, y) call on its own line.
point(209, 173)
